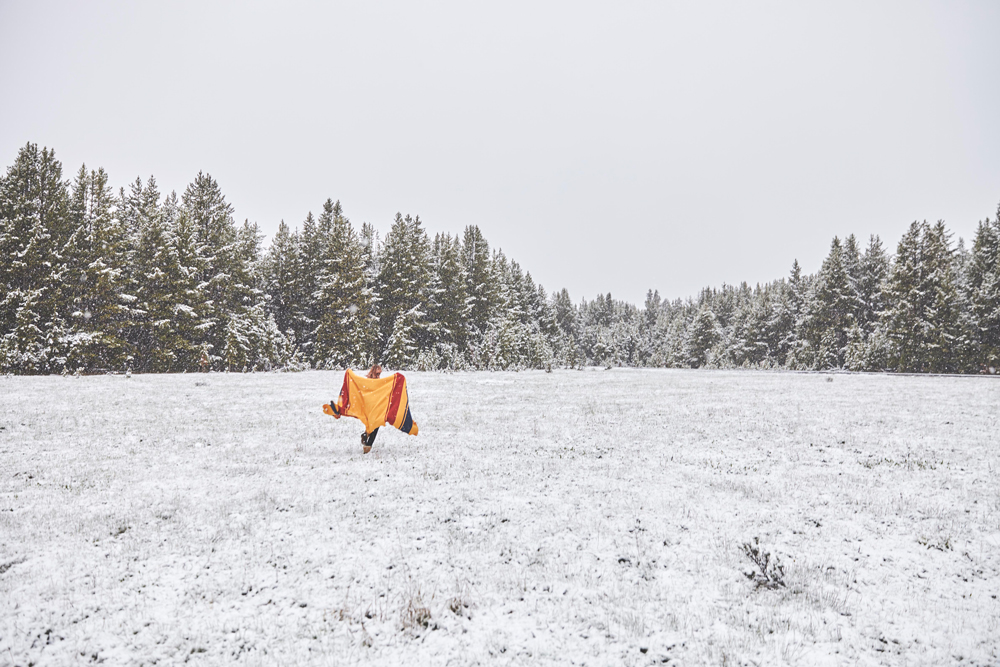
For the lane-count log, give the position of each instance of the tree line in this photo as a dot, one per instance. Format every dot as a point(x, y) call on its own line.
point(96, 281)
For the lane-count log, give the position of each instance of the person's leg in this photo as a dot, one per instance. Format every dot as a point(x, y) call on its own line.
point(368, 440)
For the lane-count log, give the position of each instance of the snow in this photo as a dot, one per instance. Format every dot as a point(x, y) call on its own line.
point(578, 517)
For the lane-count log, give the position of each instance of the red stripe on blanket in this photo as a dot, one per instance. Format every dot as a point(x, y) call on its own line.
point(397, 395)
point(345, 393)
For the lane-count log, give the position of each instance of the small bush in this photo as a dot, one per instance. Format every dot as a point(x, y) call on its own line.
point(770, 573)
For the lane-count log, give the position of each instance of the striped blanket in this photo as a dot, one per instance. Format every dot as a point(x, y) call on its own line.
point(374, 401)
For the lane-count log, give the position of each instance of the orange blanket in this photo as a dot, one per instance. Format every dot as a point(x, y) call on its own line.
point(374, 401)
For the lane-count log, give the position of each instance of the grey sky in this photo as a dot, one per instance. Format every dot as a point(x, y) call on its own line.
point(614, 146)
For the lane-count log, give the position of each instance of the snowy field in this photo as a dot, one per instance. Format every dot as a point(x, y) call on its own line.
point(594, 517)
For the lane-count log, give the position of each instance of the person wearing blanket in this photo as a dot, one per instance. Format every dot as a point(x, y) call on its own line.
point(374, 401)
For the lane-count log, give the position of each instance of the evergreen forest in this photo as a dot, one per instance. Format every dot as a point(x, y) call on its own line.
point(96, 281)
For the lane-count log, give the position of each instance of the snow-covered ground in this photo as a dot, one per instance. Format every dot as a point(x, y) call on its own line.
point(594, 517)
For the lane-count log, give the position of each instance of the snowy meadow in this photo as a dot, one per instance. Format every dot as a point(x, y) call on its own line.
point(623, 517)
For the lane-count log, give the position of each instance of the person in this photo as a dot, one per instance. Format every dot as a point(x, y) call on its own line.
point(374, 401)
point(368, 439)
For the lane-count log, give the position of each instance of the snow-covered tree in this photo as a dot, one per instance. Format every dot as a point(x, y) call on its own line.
point(448, 301)
point(209, 250)
point(343, 299)
point(280, 275)
point(983, 295)
point(403, 280)
point(479, 278)
point(921, 322)
point(33, 231)
point(161, 330)
point(828, 311)
point(94, 280)
point(943, 331)
point(702, 336)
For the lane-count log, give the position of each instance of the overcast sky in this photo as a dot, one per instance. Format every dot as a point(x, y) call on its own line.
point(614, 146)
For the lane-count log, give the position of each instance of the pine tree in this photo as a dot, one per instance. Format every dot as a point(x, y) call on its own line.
point(501, 343)
point(161, 331)
point(478, 275)
point(564, 315)
point(33, 230)
point(187, 295)
point(853, 260)
point(967, 348)
point(749, 344)
point(309, 259)
point(702, 336)
point(541, 352)
point(252, 340)
point(596, 320)
point(135, 210)
point(922, 322)
point(828, 312)
point(371, 252)
point(400, 348)
point(280, 277)
point(404, 274)
point(647, 327)
point(723, 303)
point(802, 355)
point(903, 320)
point(942, 317)
point(781, 324)
point(983, 294)
point(673, 348)
point(867, 346)
point(343, 299)
point(206, 236)
point(538, 327)
point(448, 304)
point(94, 277)
point(873, 272)
point(545, 314)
